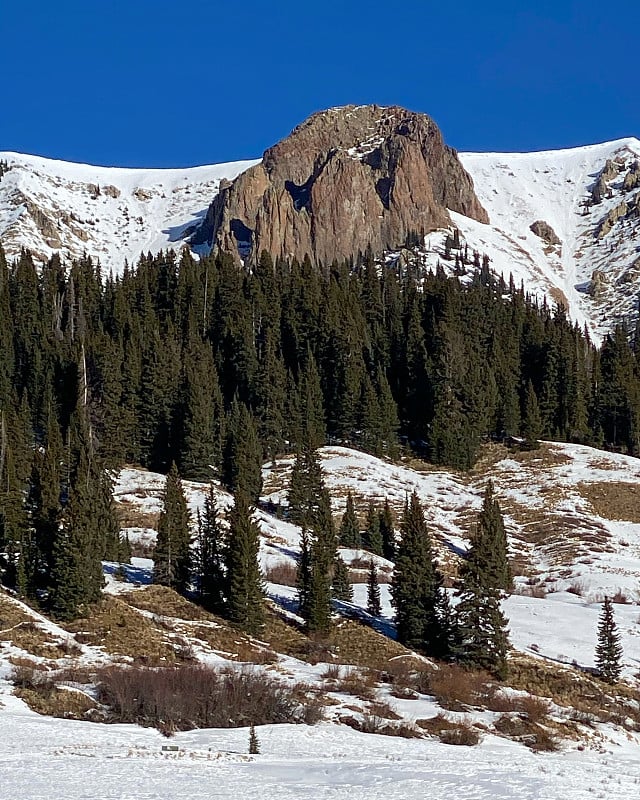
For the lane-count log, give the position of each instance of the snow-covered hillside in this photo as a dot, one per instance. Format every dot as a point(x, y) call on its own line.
point(589, 258)
point(112, 214)
point(595, 268)
point(572, 542)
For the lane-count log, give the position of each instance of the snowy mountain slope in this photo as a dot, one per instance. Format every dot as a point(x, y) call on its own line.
point(568, 547)
point(589, 196)
point(330, 760)
point(110, 213)
point(595, 268)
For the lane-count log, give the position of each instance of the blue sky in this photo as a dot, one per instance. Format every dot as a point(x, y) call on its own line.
point(159, 83)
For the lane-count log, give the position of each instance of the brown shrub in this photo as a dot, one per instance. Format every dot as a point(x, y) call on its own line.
point(187, 697)
point(455, 688)
point(332, 672)
point(284, 574)
point(620, 597)
point(503, 703)
point(536, 708)
point(461, 735)
point(359, 683)
point(435, 725)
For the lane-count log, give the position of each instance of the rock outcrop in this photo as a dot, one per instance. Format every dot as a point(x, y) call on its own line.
point(344, 180)
point(543, 230)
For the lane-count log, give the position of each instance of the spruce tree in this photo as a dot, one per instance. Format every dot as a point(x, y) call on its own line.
point(245, 604)
point(208, 557)
point(421, 604)
point(372, 537)
point(76, 575)
point(387, 532)
point(242, 463)
point(490, 543)
point(373, 592)
point(349, 533)
point(254, 744)
point(172, 555)
point(608, 648)
point(532, 421)
point(310, 507)
point(341, 587)
point(481, 626)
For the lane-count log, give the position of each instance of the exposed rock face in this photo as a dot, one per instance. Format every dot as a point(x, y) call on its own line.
point(545, 232)
point(344, 180)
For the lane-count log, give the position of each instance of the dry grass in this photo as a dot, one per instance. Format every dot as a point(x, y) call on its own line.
point(22, 630)
point(32, 639)
point(527, 732)
point(544, 457)
point(448, 731)
point(11, 613)
point(458, 689)
point(57, 702)
point(165, 602)
point(132, 516)
point(359, 683)
point(585, 698)
point(123, 631)
point(358, 645)
point(614, 500)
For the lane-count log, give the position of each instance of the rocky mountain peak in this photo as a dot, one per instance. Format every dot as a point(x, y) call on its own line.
point(344, 180)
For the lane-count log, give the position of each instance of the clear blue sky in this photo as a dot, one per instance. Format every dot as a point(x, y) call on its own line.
point(144, 83)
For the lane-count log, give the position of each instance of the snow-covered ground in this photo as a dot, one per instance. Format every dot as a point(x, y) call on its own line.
point(46, 758)
point(329, 760)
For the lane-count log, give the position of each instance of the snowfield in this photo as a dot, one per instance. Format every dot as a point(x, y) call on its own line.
point(45, 758)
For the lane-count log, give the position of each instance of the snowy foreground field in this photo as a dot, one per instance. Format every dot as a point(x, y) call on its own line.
point(45, 758)
point(570, 546)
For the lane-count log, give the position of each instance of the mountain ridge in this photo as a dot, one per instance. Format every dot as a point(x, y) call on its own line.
point(115, 214)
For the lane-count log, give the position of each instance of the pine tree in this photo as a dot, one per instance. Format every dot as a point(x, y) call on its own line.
point(481, 627)
point(254, 744)
point(201, 417)
point(349, 533)
point(422, 616)
point(244, 579)
point(490, 543)
point(373, 592)
point(76, 575)
point(310, 507)
point(242, 463)
point(372, 538)
point(208, 560)
point(172, 554)
point(387, 532)
point(532, 422)
point(608, 648)
point(341, 587)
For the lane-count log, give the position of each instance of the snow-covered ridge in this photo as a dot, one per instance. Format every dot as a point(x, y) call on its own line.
point(115, 214)
point(110, 213)
point(555, 187)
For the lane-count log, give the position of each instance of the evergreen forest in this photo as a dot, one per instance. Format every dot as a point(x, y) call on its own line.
point(199, 369)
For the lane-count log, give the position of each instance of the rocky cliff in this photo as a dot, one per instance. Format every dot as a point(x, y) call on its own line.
point(343, 180)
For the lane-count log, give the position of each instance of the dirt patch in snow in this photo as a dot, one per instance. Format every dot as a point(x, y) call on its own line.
point(615, 500)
